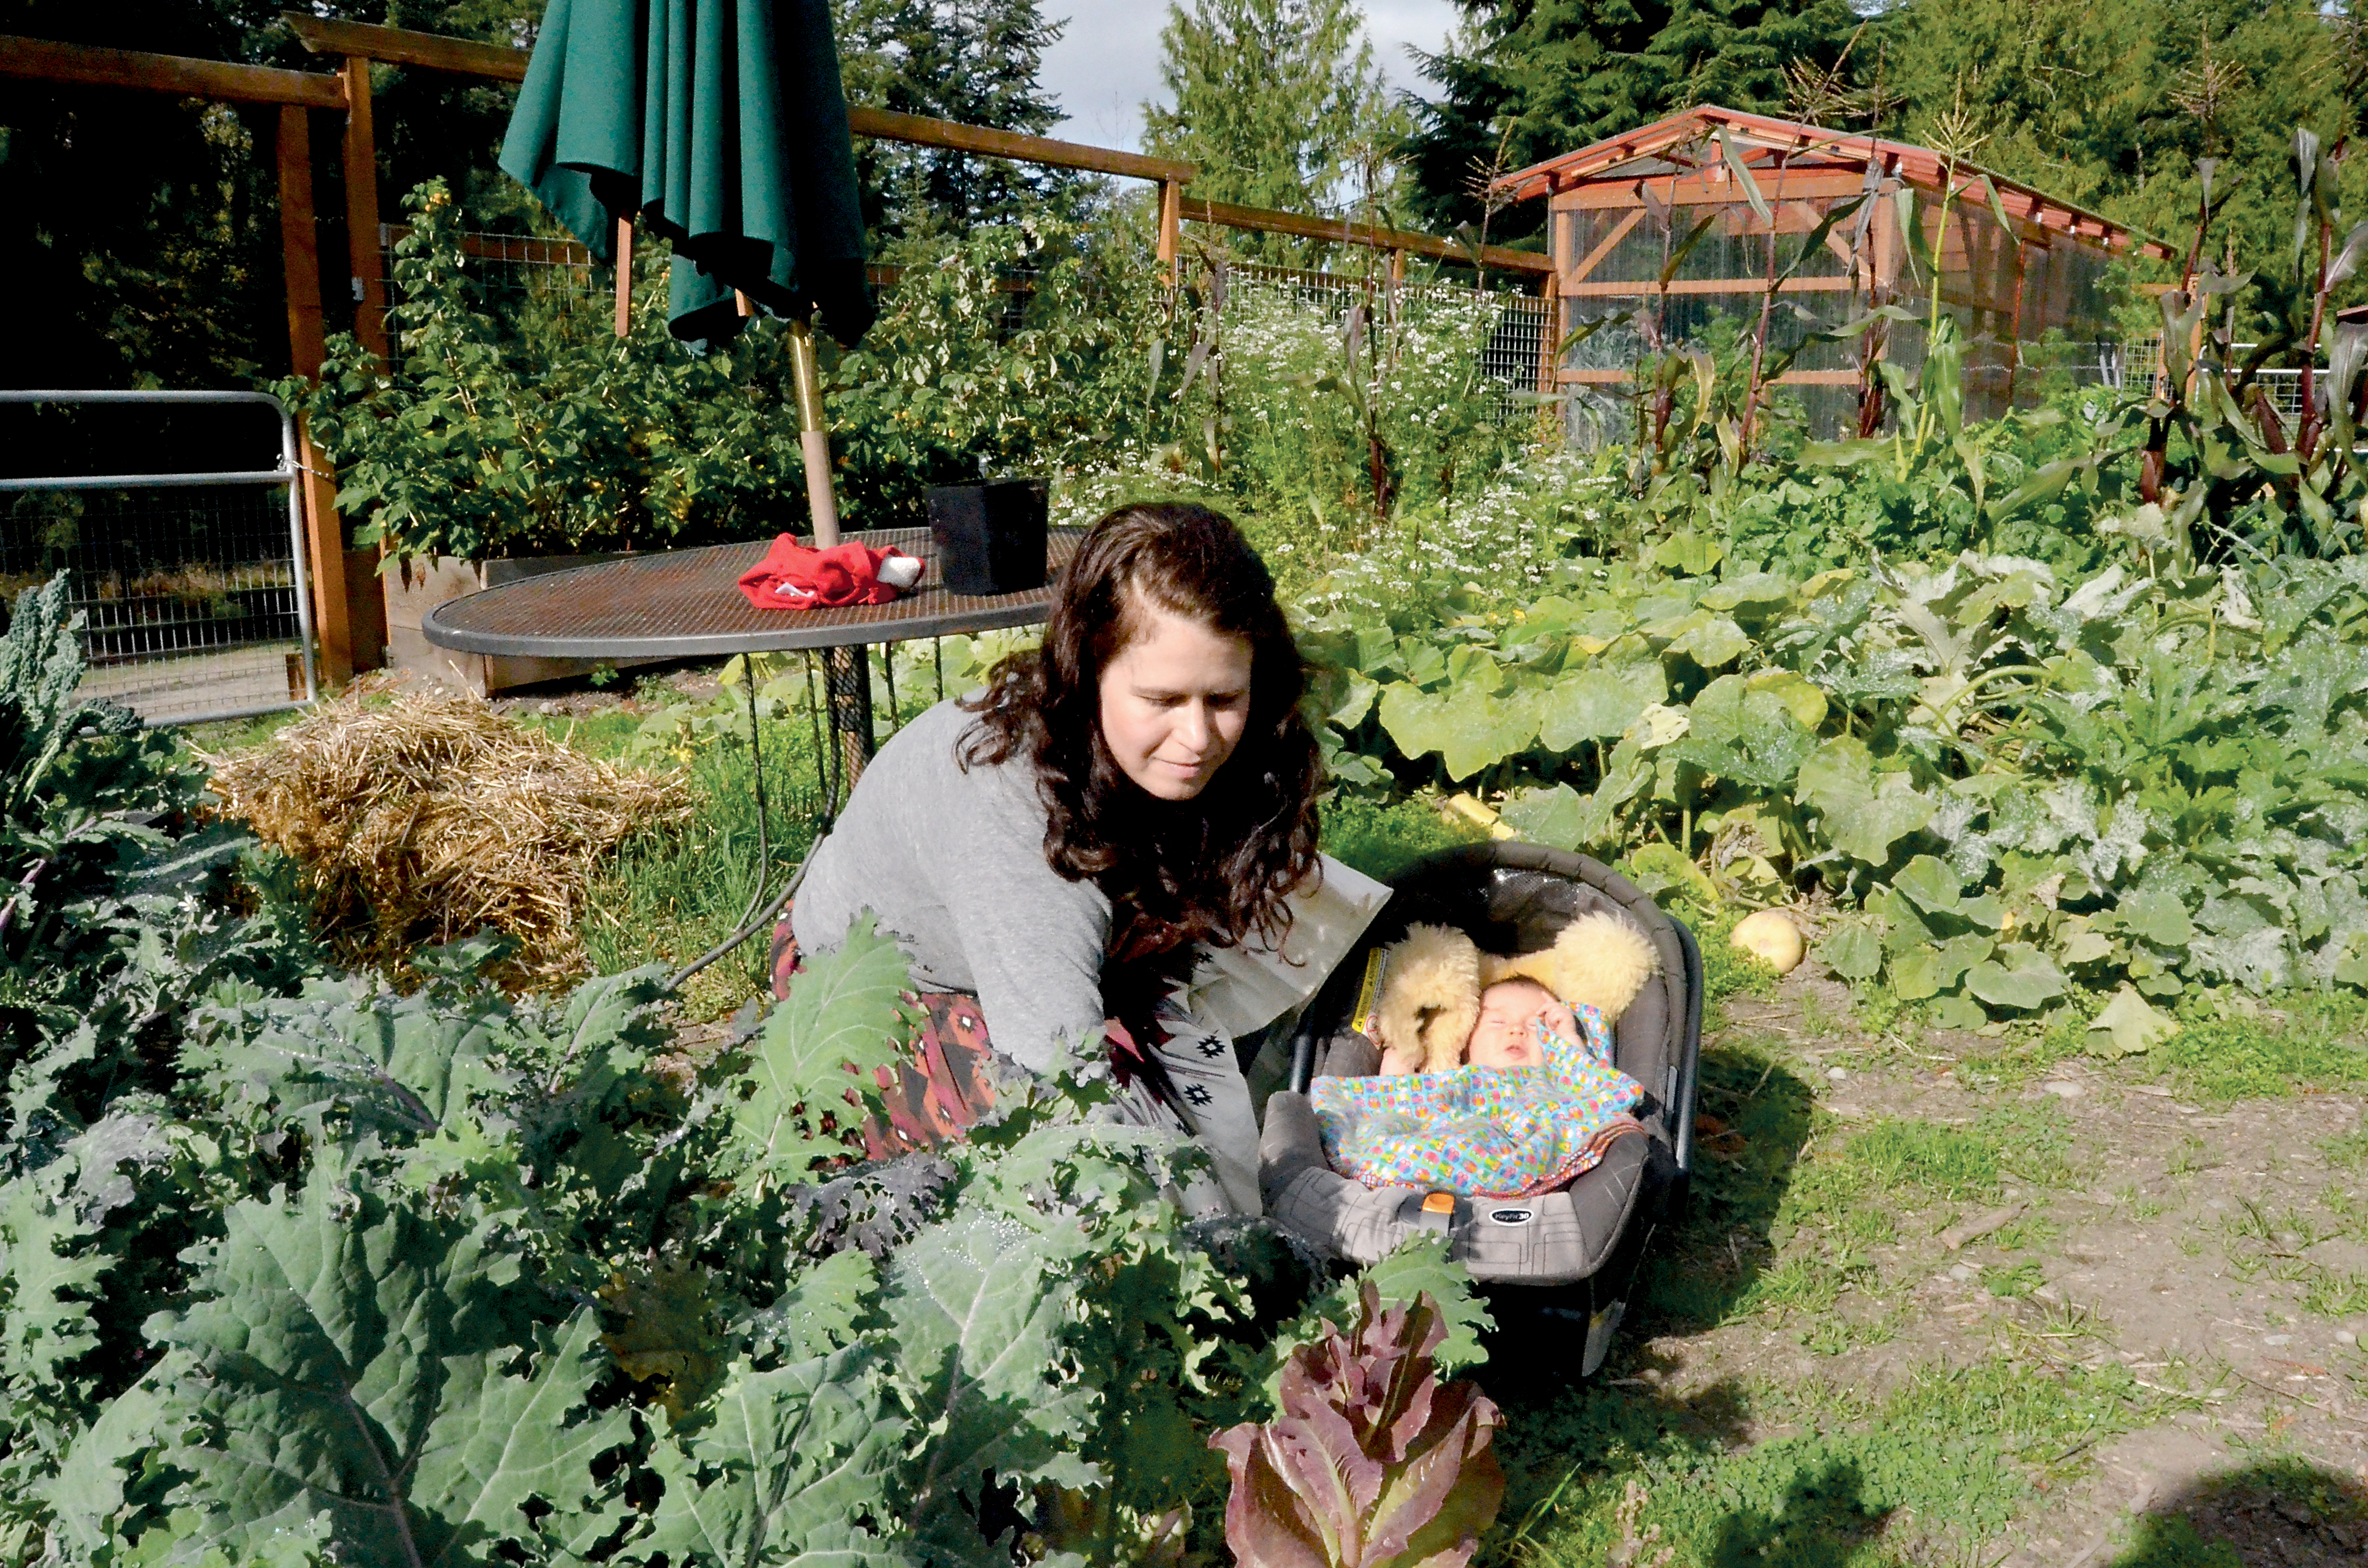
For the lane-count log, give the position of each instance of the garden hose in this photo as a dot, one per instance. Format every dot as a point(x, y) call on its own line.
point(751, 924)
point(749, 928)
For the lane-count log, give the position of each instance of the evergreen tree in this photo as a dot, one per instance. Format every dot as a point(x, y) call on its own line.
point(972, 61)
point(2110, 103)
point(1277, 102)
point(1525, 80)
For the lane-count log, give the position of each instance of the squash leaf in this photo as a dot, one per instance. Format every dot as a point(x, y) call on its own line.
point(2126, 1026)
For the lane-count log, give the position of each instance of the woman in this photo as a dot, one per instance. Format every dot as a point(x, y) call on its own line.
point(1059, 846)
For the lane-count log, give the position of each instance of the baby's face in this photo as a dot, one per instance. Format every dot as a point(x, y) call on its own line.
point(1506, 1035)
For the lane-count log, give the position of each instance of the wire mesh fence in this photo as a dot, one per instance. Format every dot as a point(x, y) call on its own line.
point(191, 594)
point(1511, 347)
point(557, 285)
point(554, 284)
point(524, 281)
point(2136, 367)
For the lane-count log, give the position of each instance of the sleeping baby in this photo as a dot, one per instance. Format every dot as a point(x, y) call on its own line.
point(1523, 1100)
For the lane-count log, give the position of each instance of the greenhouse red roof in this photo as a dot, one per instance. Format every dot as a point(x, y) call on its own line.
point(1759, 140)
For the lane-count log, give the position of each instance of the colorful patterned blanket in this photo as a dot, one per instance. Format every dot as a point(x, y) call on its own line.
point(1482, 1131)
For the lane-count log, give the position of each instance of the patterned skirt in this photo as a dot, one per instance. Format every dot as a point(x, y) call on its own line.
point(950, 1080)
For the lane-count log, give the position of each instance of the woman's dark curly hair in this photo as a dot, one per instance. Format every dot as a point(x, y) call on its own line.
point(1214, 868)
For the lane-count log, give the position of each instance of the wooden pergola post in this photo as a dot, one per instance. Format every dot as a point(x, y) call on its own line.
point(323, 532)
point(1550, 340)
point(625, 278)
point(362, 250)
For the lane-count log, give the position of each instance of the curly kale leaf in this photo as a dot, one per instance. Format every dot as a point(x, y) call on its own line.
point(978, 1305)
point(877, 1209)
point(812, 1063)
point(395, 1067)
point(47, 1276)
point(793, 1464)
point(351, 1357)
point(41, 671)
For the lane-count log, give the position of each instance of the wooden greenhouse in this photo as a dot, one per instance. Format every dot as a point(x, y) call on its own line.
point(2018, 267)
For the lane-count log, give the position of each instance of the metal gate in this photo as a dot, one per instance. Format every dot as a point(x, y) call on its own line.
point(193, 586)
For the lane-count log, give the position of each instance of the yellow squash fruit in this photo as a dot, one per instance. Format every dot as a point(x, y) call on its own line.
point(1770, 936)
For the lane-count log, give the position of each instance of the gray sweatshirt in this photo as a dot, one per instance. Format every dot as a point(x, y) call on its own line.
point(952, 863)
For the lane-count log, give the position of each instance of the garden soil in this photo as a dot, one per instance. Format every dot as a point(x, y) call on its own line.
point(2166, 1255)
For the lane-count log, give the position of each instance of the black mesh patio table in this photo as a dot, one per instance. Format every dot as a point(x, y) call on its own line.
point(687, 604)
point(683, 604)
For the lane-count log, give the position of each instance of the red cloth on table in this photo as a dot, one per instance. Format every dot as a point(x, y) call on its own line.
point(794, 576)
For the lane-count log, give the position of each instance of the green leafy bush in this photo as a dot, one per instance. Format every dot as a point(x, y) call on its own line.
point(489, 439)
point(1022, 350)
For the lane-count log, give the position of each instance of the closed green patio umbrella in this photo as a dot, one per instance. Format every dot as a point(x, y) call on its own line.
point(722, 126)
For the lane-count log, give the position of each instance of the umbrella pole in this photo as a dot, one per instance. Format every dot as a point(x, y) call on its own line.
point(847, 672)
point(812, 435)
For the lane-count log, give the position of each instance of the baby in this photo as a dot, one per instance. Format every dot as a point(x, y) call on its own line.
point(1535, 1103)
point(1512, 1015)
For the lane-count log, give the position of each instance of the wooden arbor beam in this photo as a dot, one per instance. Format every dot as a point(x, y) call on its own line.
point(359, 41)
point(41, 59)
point(1260, 220)
point(398, 46)
point(883, 125)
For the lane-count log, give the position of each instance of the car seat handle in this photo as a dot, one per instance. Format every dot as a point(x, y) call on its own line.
point(1303, 1051)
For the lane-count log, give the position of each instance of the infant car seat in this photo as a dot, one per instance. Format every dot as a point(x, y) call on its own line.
point(1574, 1251)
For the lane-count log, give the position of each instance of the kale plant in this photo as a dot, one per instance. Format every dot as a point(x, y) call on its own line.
point(456, 1277)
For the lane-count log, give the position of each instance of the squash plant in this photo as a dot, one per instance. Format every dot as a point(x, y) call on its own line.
point(2028, 782)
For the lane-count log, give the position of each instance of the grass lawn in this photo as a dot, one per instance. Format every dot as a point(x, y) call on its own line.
point(2146, 1355)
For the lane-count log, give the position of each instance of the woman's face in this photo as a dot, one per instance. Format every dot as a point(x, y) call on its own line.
point(1174, 702)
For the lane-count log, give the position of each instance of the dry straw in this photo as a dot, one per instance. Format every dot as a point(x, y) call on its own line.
point(427, 819)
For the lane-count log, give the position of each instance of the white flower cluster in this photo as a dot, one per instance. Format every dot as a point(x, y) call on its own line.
point(1504, 539)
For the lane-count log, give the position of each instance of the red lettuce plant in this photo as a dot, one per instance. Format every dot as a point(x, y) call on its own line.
point(1374, 1463)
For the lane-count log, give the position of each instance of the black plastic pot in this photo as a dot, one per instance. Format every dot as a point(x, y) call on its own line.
point(989, 535)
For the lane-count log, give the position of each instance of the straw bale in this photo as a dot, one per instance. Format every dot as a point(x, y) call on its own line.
point(424, 819)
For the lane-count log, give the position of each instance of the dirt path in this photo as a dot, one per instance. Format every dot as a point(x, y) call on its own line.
point(2218, 1255)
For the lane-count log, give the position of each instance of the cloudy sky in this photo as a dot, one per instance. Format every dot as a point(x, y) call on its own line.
point(1107, 60)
